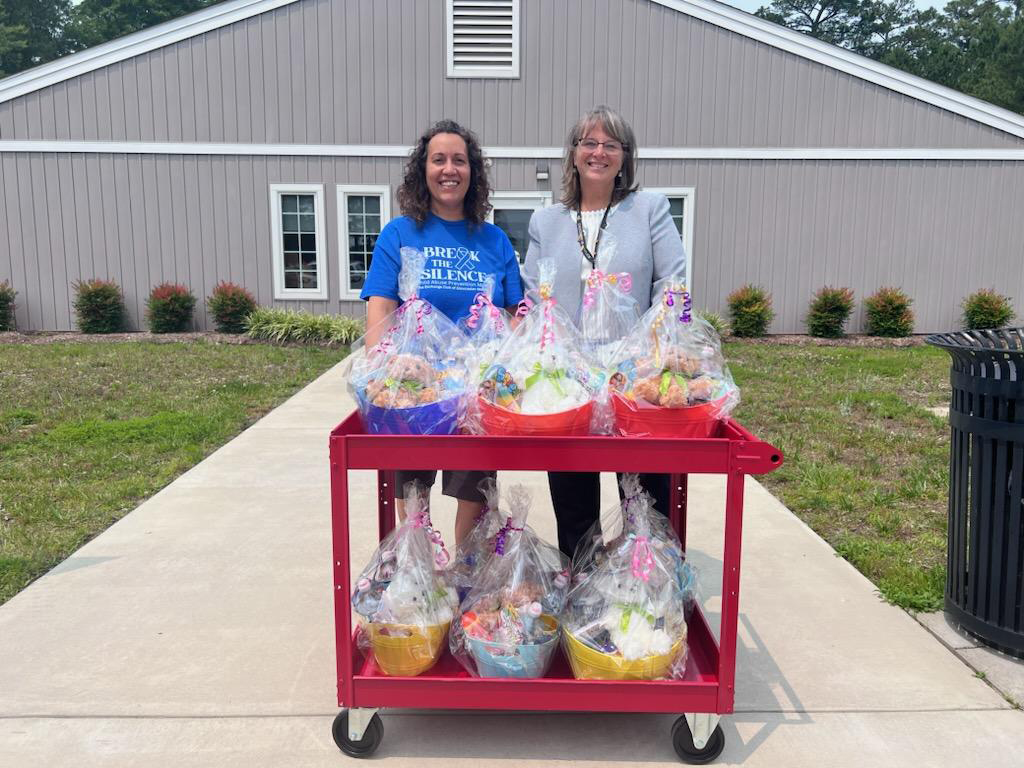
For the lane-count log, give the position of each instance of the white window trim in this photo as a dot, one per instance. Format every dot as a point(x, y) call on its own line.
point(512, 73)
point(384, 190)
point(299, 294)
point(689, 195)
point(518, 201)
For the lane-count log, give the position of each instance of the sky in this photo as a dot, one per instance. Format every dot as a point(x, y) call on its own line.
point(752, 5)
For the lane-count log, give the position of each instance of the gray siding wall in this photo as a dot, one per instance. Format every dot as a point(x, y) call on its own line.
point(373, 72)
point(938, 229)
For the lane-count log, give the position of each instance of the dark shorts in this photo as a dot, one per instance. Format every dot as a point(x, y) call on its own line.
point(457, 483)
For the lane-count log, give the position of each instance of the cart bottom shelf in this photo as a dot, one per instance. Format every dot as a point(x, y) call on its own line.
point(447, 685)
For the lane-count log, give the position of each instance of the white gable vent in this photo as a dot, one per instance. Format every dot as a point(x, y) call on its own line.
point(483, 38)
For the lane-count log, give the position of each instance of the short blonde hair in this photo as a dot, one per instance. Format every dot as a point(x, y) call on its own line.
point(615, 125)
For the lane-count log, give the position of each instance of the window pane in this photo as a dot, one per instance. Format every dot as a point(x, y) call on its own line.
point(305, 203)
point(355, 224)
point(371, 243)
point(675, 206)
point(372, 204)
point(291, 242)
point(289, 203)
point(290, 222)
point(309, 280)
point(356, 281)
point(291, 279)
point(307, 222)
point(515, 224)
point(678, 220)
point(372, 224)
point(355, 204)
point(291, 260)
point(356, 243)
point(309, 242)
point(357, 265)
point(309, 261)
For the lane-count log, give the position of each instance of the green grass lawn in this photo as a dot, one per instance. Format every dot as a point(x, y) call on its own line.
point(866, 462)
point(88, 430)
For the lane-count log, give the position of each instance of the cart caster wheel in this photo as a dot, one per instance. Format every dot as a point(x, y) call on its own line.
point(682, 740)
point(367, 745)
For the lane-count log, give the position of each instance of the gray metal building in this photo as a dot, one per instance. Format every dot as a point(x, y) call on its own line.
point(261, 142)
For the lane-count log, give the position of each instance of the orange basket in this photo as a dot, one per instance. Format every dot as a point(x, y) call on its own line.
point(637, 419)
point(498, 421)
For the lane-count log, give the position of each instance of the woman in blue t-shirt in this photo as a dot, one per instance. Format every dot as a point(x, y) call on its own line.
point(444, 199)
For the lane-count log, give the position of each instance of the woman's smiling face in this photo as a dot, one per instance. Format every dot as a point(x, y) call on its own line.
point(448, 172)
point(597, 166)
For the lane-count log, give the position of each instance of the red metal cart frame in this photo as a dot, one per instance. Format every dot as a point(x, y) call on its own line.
point(708, 689)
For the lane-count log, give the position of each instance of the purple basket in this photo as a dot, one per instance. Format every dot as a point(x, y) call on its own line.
point(440, 418)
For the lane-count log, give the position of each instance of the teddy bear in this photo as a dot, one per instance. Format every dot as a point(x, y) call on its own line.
point(702, 389)
point(411, 368)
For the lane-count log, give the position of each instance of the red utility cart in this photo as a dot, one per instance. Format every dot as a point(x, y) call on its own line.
point(704, 695)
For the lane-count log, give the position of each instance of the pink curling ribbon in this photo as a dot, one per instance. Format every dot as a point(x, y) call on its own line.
point(500, 536)
point(623, 280)
point(523, 307)
point(480, 304)
point(422, 520)
point(643, 560)
point(423, 309)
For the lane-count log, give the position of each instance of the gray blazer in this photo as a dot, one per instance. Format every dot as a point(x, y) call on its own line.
point(648, 247)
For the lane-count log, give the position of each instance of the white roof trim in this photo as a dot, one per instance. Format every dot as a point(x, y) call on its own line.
point(797, 43)
point(122, 48)
point(509, 153)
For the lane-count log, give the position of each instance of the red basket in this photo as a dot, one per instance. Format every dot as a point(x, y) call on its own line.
point(498, 421)
point(639, 419)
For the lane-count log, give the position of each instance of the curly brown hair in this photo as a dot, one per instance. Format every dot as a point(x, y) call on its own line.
point(413, 194)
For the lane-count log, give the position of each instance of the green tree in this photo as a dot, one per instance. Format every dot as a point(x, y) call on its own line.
point(30, 33)
point(97, 21)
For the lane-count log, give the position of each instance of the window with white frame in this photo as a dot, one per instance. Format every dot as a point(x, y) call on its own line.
point(483, 38)
point(297, 223)
point(680, 206)
point(362, 213)
point(512, 212)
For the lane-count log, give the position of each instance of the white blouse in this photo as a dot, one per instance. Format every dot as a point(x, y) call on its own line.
point(591, 224)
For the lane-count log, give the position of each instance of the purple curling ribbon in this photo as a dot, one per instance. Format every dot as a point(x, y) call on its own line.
point(500, 536)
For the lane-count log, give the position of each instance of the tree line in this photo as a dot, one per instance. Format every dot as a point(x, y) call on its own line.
point(974, 46)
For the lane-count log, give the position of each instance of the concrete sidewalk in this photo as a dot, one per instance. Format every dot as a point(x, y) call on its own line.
point(198, 631)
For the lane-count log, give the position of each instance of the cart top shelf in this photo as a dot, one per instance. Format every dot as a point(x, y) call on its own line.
point(732, 449)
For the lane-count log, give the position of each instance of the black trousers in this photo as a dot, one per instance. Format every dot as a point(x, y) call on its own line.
point(576, 497)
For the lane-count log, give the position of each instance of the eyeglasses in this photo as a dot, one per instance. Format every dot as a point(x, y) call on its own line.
point(612, 147)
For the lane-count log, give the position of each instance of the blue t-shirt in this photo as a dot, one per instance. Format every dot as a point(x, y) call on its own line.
point(459, 257)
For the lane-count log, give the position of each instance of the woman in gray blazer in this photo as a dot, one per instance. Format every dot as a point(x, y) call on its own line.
point(601, 201)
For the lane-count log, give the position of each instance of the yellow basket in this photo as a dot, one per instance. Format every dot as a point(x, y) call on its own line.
point(589, 664)
point(407, 656)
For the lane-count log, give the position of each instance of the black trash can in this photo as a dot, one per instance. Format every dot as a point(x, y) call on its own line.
point(985, 559)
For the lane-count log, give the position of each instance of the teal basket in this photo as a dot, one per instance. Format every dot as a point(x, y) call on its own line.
point(494, 659)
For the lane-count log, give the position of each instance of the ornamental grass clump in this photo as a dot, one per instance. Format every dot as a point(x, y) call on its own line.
point(169, 308)
point(829, 310)
point(7, 306)
point(288, 325)
point(888, 313)
point(986, 309)
point(99, 306)
point(715, 320)
point(230, 305)
point(750, 311)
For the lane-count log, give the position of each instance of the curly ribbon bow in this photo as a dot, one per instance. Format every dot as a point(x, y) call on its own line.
point(555, 377)
point(423, 308)
point(643, 560)
point(502, 534)
point(422, 520)
point(523, 307)
point(480, 303)
point(668, 300)
point(623, 280)
point(547, 333)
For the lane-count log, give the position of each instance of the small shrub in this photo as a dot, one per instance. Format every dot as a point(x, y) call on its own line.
point(99, 306)
point(287, 325)
point(169, 308)
point(715, 320)
point(986, 309)
point(888, 313)
point(7, 306)
point(830, 309)
point(230, 305)
point(750, 311)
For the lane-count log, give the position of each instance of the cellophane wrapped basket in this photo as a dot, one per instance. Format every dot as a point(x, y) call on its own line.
point(473, 551)
point(486, 328)
point(508, 624)
point(627, 620)
point(540, 382)
point(403, 597)
point(669, 377)
point(412, 381)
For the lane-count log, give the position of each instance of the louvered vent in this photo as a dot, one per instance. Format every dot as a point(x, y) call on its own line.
point(483, 38)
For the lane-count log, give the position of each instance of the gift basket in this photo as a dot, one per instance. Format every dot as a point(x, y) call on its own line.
point(508, 624)
point(668, 377)
point(540, 382)
point(403, 597)
point(608, 312)
point(412, 381)
point(627, 619)
point(473, 551)
point(615, 525)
